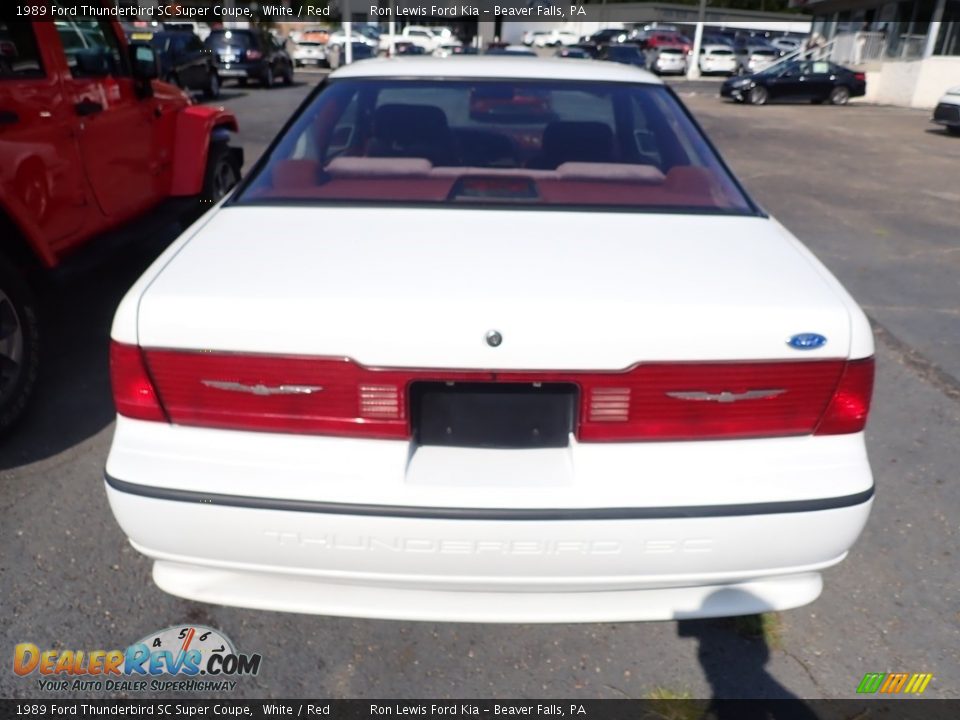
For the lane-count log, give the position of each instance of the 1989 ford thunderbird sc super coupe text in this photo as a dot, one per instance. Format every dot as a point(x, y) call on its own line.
point(611, 388)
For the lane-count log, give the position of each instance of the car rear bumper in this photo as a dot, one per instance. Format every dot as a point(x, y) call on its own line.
point(302, 594)
point(242, 70)
point(486, 570)
point(947, 114)
point(589, 532)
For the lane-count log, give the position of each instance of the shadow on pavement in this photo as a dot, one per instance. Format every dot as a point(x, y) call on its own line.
point(734, 661)
point(941, 131)
point(72, 401)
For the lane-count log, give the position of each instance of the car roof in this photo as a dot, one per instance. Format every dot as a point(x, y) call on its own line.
point(492, 67)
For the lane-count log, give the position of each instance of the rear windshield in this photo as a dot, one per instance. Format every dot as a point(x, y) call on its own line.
point(764, 53)
point(530, 143)
point(231, 38)
point(720, 52)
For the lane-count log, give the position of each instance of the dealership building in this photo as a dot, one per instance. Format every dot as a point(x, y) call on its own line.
point(910, 50)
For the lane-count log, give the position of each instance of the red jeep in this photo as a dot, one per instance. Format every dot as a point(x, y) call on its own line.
point(89, 139)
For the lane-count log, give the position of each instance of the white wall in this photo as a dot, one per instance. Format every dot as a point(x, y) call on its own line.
point(939, 74)
point(912, 83)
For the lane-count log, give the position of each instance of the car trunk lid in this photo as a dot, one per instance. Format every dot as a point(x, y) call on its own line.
point(565, 290)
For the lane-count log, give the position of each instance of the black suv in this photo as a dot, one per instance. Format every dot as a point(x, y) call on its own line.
point(245, 54)
point(186, 62)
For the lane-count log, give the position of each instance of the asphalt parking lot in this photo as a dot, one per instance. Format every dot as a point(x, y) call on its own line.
point(873, 191)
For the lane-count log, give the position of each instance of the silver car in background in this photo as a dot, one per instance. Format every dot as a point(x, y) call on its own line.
point(667, 60)
point(754, 58)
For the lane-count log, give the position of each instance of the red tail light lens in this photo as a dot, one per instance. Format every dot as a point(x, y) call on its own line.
point(336, 396)
point(254, 55)
point(860, 76)
point(850, 404)
point(700, 401)
point(279, 393)
point(133, 391)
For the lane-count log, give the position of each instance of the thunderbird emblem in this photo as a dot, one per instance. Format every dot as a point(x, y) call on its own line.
point(260, 389)
point(725, 396)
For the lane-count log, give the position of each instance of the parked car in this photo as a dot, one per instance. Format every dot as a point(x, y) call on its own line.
point(716, 38)
point(514, 50)
point(448, 432)
point(339, 37)
point(336, 52)
point(672, 39)
point(607, 36)
point(809, 80)
point(786, 45)
point(573, 53)
point(555, 38)
point(448, 51)
point(250, 54)
point(429, 38)
point(589, 48)
point(754, 58)
point(625, 53)
point(668, 60)
point(947, 112)
point(89, 140)
point(309, 52)
point(530, 36)
point(717, 59)
point(185, 61)
point(201, 30)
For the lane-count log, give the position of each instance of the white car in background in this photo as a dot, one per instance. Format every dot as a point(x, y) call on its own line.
point(308, 52)
point(753, 58)
point(504, 423)
point(786, 45)
point(429, 38)
point(718, 59)
point(339, 37)
point(555, 38)
point(667, 60)
point(947, 112)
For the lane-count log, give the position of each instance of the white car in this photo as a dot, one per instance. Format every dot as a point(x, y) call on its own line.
point(753, 59)
point(947, 112)
point(555, 38)
point(308, 52)
point(429, 38)
point(668, 60)
point(339, 37)
point(505, 423)
point(786, 45)
point(718, 59)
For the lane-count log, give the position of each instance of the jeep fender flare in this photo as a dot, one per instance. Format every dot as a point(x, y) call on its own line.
point(197, 126)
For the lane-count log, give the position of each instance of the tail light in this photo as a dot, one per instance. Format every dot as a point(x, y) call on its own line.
point(133, 390)
point(254, 55)
point(850, 404)
point(860, 76)
point(336, 396)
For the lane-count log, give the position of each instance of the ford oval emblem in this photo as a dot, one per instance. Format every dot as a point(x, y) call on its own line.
point(807, 341)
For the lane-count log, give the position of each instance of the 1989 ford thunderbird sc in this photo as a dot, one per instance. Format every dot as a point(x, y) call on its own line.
point(518, 348)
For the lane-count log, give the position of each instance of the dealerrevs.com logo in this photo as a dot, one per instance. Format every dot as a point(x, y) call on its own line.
point(201, 658)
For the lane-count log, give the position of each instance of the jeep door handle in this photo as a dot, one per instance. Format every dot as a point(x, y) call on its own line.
point(8, 117)
point(87, 107)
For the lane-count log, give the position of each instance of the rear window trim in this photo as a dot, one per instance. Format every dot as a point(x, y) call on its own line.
point(754, 209)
